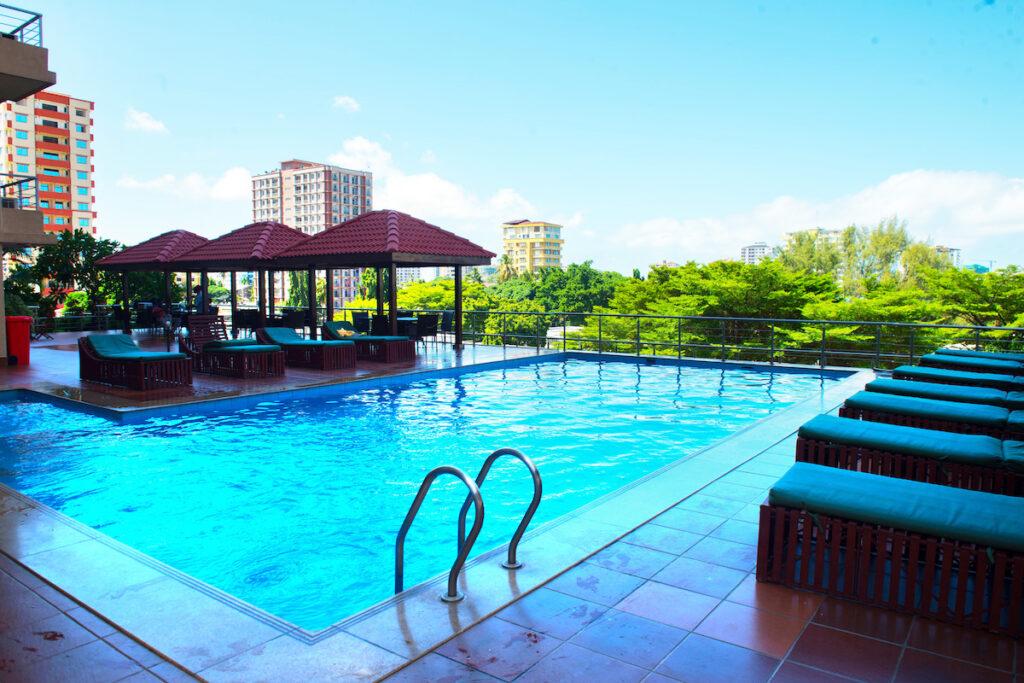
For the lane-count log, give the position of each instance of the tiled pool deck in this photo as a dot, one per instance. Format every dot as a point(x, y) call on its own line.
point(674, 599)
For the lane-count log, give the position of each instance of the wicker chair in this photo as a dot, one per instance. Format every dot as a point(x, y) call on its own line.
point(213, 352)
point(115, 359)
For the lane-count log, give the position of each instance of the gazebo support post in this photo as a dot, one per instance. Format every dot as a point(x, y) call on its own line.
point(311, 294)
point(188, 290)
point(329, 292)
point(273, 293)
point(167, 291)
point(380, 291)
point(393, 299)
point(204, 287)
point(234, 303)
point(261, 295)
point(458, 309)
point(126, 325)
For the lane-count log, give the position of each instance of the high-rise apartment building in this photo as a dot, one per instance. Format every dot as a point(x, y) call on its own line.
point(312, 197)
point(754, 253)
point(49, 135)
point(532, 244)
point(952, 253)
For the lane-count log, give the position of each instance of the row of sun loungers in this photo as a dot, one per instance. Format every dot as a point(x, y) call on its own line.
point(116, 359)
point(913, 498)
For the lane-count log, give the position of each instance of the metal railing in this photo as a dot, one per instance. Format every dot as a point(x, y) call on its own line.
point(849, 343)
point(19, 191)
point(22, 25)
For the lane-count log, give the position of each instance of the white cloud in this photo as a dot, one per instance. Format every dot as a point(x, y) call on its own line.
point(431, 197)
point(956, 209)
point(345, 103)
point(428, 157)
point(140, 120)
point(234, 184)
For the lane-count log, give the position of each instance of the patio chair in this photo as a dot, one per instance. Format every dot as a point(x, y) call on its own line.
point(378, 348)
point(294, 319)
point(447, 324)
point(361, 322)
point(213, 352)
point(116, 359)
point(321, 355)
point(995, 355)
point(1011, 400)
point(426, 326)
point(952, 555)
point(973, 379)
point(967, 461)
point(972, 364)
point(929, 413)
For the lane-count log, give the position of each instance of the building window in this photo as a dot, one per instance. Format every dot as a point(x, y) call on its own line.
point(50, 155)
point(48, 107)
point(81, 159)
point(46, 220)
point(79, 128)
point(22, 168)
point(81, 144)
point(83, 175)
point(22, 151)
point(21, 118)
point(51, 171)
point(80, 112)
point(59, 220)
point(21, 135)
point(44, 204)
point(82, 206)
point(83, 222)
point(51, 139)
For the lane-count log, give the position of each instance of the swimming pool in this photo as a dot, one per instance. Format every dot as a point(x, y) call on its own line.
point(293, 504)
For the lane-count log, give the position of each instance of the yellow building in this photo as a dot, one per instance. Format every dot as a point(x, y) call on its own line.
point(532, 244)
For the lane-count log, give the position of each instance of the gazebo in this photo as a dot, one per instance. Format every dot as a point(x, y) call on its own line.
point(386, 240)
point(155, 254)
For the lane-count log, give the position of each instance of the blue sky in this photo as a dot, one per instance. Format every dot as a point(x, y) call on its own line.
point(652, 130)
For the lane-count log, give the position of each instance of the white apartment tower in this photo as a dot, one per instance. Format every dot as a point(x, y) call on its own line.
point(312, 197)
point(755, 253)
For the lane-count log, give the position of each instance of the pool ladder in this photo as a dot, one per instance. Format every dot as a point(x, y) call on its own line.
point(474, 498)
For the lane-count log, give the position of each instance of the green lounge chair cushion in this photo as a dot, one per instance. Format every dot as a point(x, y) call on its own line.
point(287, 337)
point(215, 344)
point(245, 348)
point(1008, 367)
point(988, 519)
point(941, 392)
point(995, 355)
point(121, 347)
point(972, 449)
point(976, 414)
point(974, 379)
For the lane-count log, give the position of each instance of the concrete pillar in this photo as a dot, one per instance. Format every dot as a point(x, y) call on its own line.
point(458, 309)
point(393, 298)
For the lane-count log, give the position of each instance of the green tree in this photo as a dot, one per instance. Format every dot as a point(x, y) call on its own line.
point(806, 251)
point(298, 294)
point(505, 270)
point(71, 263)
point(993, 298)
point(475, 277)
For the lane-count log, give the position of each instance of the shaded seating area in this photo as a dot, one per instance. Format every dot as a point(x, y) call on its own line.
point(116, 359)
point(930, 413)
point(213, 351)
point(971, 461)
point(377, 348)
point(321, 355)
point(952, 555)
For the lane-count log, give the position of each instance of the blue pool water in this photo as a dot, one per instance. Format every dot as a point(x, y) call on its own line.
point(293, 504)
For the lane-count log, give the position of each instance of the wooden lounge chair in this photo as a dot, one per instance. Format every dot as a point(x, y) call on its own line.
point(213, 352)
point(116, 359)
point(321, 355)
point(951, 361)
point(928, 413)
point(379, 348)
point(919, 373)
point(968, 461)
point(1011, 400)
point(952, 555)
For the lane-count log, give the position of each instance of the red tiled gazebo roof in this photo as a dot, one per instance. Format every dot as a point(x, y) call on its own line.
point(156, 253)
point(253, 246)
point(382, 238)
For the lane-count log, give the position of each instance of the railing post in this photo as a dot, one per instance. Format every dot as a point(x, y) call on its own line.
point(723, 341)
point(679, 338)
point(638, 335)
point(503, 317)
point(771, 358)
point(821, 360)
point(536, 328)
point(878, 346)
point(563, 331)
point(977, 339)
point(600, 320)
point(911, 362)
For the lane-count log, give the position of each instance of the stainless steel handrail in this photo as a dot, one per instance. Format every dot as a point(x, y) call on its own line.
point(511, 562)
point(453, 595)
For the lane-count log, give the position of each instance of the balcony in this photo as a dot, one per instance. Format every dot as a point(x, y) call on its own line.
point(21, 224)
point(23, 59)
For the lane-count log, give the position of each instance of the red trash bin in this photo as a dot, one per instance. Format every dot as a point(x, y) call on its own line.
point(19, 328)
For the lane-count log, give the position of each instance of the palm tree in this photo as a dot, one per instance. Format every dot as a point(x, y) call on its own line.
point(505, 270)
